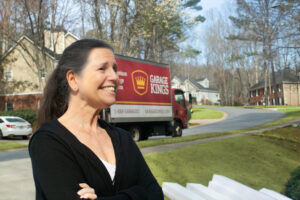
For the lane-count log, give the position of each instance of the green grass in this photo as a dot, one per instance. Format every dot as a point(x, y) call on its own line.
point(254, 161)
point(291, 134)
point(11, 145)
point(203, 113)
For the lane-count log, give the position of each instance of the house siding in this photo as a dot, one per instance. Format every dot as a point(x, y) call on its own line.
point(25, 90)
point(291, 94)
point(24, 70)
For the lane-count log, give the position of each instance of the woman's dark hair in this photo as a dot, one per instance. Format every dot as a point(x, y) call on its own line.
point(56, 93)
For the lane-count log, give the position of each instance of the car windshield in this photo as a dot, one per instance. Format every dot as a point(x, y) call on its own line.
point(14, 120)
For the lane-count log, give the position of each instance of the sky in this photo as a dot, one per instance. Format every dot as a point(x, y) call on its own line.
point(198, 31)
point(208, 4)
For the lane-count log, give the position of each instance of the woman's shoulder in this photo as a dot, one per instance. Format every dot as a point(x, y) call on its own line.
point(45, 134)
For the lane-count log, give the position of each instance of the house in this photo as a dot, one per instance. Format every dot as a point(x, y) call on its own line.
point(198, 88)
point(21, 80)
point(288, 84)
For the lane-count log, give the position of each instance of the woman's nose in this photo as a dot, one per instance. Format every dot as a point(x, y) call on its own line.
point(113, 75)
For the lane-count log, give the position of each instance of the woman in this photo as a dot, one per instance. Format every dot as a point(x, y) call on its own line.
point(75, 154)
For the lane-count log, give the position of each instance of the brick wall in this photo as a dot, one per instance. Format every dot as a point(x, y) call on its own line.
point(21, 102)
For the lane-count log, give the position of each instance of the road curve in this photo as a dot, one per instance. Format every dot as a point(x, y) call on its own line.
point(238, 118)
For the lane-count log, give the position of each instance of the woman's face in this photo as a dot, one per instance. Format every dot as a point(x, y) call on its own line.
point(98, 81)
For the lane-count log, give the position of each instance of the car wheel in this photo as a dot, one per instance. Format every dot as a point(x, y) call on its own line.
point(135, 133)
point(1, 135)
point(177, 130)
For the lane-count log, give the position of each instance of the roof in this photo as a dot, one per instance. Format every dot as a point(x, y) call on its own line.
point(200, 79)
point(200, 87)
point(181, 78)
point(49, 52)
point(281, 76)
point(54, 55)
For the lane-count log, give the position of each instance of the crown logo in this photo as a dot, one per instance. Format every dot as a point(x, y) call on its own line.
point(140, 82)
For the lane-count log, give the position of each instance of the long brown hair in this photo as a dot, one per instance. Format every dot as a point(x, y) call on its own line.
point(56, 92)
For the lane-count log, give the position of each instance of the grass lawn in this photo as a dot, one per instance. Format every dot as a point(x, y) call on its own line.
point(254, 161)
point(287, 133)
point(203, 113)
point(11, 145)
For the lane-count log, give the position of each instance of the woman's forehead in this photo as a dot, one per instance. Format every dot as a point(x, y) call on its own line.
point(101, 56)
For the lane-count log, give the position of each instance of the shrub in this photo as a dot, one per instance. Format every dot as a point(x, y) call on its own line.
point(292, 187)
point(28, 115)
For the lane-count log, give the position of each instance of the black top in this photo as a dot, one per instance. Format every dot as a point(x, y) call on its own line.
point(60, 162)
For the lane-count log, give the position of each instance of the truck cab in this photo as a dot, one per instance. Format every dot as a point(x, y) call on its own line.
point(180, 112)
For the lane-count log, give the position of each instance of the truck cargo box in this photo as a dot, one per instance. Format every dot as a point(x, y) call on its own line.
point(144, 93)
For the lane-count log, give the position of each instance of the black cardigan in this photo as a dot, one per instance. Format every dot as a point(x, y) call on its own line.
point(60, 162)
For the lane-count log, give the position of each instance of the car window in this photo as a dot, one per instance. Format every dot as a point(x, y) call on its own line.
point(15, 120)
point(1, 121)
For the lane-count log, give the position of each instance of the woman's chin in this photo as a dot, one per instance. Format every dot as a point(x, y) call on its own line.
point(107, 104)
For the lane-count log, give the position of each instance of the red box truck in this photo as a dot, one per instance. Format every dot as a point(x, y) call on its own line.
point(145, 103)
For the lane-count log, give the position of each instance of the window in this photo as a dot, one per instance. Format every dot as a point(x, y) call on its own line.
point(15, 120)
point(1, 121)
point(9, 106)
point(179, 98)
point(43, 74)
point(8, 76)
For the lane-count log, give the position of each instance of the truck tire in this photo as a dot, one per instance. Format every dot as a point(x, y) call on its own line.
point(136, 133)
point(177, 129)
point(144, 136)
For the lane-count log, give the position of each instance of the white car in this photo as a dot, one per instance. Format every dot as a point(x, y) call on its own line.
point(14, 126)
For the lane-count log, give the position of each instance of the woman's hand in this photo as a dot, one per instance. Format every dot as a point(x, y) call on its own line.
point(86, 192)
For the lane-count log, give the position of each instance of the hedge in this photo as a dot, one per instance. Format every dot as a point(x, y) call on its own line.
point(28, 115)
point(292, 187)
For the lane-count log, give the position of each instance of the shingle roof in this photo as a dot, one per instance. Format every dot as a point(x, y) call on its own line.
point(200, 87)
point(280, 76)
point(200, 79)
point(181, 78)
point(55, 55)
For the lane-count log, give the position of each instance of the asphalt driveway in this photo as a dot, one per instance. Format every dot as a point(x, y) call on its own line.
point(237, 118)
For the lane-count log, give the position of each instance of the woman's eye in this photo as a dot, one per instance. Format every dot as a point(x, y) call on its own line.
point(101, 68)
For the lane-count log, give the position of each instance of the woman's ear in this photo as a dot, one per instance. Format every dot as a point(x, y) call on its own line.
point(72, 80)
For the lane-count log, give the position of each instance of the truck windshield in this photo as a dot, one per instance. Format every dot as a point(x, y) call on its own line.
point(179, 98)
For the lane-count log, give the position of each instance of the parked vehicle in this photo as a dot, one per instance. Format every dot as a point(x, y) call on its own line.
point(145, 103)
point(14, 126)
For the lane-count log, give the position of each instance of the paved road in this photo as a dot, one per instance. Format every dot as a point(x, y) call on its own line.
point(238, 118)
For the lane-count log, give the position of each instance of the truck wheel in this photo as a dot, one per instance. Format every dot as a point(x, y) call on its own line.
point(177, 130)
point(144, 136)
point(135, 133)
